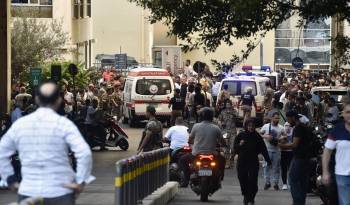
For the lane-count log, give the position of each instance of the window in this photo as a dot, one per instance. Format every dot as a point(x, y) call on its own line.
point(160, 87)
point(239, 87)
point(313, 41)
point(76, 9)
point(89, 8)
point(32, 8)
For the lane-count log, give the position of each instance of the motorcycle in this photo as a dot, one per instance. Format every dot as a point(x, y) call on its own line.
point(206, 177)
point(175, 174)
point(328, 194)
point(115, 135)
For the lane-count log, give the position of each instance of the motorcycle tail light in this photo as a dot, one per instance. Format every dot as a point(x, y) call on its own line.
point(208, 157)
point(258, 108)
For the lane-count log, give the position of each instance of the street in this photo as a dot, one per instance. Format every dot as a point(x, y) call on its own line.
point(101, 191)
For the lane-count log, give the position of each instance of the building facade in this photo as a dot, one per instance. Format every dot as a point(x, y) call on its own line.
point(76, 18)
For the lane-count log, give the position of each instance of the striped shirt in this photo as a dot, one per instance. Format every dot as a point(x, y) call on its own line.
point(43, 140)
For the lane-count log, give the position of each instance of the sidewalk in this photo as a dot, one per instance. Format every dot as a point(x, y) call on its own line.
point(230, 194)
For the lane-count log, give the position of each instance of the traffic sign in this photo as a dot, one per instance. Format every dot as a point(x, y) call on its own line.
point(35, 76)
point(297, 62)
point(121, 61)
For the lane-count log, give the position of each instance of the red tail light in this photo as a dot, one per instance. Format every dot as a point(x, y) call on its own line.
point(258, 109)
point(187, 149)
point(206, 157)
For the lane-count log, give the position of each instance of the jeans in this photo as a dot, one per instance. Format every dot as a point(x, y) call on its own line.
point(68, 199)
point(275, 157)
point(343, 184)
point(248, 179)
point(286, 159)
point(299, 180)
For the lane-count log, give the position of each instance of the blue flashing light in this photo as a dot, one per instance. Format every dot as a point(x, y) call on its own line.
point(266, 68)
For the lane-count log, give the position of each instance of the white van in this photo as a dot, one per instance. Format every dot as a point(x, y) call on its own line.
point(237, 85)
point(143, 87)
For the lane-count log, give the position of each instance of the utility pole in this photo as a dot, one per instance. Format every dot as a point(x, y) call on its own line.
point(5, 56)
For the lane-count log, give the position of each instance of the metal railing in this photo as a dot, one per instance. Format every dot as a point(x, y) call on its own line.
point(141, 175)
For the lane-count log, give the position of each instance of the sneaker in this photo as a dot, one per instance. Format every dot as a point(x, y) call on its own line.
point(267, 186)
point(284, 187)
point(276, 187)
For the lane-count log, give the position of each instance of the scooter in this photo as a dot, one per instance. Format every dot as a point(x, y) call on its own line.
point(115, 135)
point(206, 177)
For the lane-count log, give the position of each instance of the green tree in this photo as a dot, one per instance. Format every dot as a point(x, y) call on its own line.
point(35, 42)
point(209, 23)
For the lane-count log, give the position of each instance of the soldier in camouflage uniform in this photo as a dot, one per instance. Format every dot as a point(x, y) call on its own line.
point(114, 102)
point(227, 122)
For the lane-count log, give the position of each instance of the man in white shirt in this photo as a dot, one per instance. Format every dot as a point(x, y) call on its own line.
point(43, 140)
point(68, 99)
point(177, 135)
point(215, 89)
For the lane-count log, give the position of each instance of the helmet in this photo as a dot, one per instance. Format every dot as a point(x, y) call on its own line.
point(206, 114)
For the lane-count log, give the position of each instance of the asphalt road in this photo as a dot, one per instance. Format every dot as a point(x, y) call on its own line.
point(230, 194)
point(101, 191)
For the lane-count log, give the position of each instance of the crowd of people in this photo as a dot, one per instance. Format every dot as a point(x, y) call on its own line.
point(284, 140)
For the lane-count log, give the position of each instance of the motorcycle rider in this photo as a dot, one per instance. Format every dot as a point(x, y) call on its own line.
point(94, 123)
point(205, 137)
point(177, 136)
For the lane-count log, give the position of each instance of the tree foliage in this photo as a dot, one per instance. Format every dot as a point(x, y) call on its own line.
point(82, 79)
point(209, 23)
point(35, 42)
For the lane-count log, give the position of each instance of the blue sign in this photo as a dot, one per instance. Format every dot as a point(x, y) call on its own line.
point(121, 61)
point(297, 63)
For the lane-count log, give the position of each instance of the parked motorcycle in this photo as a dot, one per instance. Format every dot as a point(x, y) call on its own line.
point(206, 176)
point(115, 135)
point(175, 174)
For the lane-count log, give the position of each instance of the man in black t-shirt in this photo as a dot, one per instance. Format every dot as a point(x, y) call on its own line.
point(177, 103)
point(299, 171)
point(247, 100)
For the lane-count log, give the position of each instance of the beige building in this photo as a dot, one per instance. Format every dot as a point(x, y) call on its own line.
point(75, 16)
point(121, 24)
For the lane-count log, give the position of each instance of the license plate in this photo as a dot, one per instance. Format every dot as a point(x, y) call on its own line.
point(205, 172)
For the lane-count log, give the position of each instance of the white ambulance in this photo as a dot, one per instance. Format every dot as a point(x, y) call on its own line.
point(237, 85)
point(143, 87)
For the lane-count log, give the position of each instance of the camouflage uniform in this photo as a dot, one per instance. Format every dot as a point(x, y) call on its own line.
point(227, 118)
point(114, 103)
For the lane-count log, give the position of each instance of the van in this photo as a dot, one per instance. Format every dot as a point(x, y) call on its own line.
point(237, 86)
point(144, 87)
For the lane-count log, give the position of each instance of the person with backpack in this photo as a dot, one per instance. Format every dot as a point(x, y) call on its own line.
point(303, 151)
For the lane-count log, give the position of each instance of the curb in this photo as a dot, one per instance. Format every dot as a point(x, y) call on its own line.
point(163, 195)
